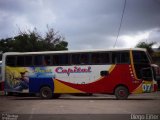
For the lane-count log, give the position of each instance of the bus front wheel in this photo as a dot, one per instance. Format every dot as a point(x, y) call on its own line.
point(46, 92)
point(121, 93)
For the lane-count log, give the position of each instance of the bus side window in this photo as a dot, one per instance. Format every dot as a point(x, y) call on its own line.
point(20, 61)
point(47, 60)
point(120, 57)
point(78, 59)
point(94, 58)
point(10, 60)
point(38, 60)
point(75, 59)
point(55, 60)
point(104, 58)
point(100, 58)
point(61, 59)
point(84, 59)
point(116, 57)
point(28, 60)
point(125, 57)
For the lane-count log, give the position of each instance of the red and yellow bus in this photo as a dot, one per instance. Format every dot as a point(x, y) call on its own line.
point(115, 71)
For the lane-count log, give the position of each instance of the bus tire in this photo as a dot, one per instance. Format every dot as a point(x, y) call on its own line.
point(121, 93)
point(46, 92)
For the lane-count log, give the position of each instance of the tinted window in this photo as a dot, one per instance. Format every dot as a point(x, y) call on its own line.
point(75, 59)
point(28, 60)
point(125, 57)
point(55, 59)
point(100, 58)
point(116, 58)
point(140, 57)
point(82, 58)
point(20, 60)
point(120, 57)
point(47, 60)
point(61, 59)
point(38, 60)
point(10, 60)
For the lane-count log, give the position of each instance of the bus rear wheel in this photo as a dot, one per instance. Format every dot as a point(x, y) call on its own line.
point(121, 93)
point(46, 92)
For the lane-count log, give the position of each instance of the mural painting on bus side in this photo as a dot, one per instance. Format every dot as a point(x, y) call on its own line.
point(23, 82)
point(17, 78)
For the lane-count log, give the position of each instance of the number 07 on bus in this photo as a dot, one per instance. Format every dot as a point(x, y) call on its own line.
point(115, 71)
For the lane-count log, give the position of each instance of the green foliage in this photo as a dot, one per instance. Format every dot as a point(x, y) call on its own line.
point(32, 41)
point(148, 46)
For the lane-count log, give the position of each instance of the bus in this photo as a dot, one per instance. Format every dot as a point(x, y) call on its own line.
point(119, 72)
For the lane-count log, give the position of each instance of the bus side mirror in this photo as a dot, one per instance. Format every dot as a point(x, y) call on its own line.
point(104, 73)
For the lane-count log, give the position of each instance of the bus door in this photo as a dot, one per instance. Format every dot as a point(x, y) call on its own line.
point(143, 70)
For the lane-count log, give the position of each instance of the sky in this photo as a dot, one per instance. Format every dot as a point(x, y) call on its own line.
point(85, 24)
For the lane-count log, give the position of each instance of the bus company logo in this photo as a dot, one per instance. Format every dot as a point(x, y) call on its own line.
point(73, 70)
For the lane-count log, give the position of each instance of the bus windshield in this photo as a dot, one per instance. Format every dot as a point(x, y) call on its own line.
point(142, 65)
point(140, 57)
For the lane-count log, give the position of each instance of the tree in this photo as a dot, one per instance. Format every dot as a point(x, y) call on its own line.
point(148, 46)
point(6, 45)
point(29, 41)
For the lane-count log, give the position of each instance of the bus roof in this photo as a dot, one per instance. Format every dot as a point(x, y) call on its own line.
point(73, 51)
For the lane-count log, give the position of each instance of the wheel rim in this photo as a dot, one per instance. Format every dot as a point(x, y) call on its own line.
point(45, 93)
point(122, 93)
